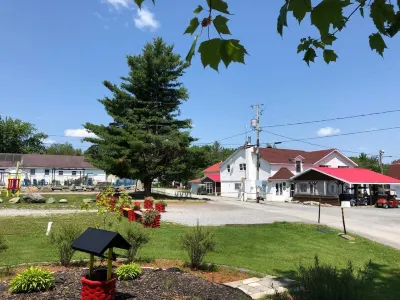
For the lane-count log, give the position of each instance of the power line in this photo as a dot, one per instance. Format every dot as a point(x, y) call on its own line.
point(334, 119)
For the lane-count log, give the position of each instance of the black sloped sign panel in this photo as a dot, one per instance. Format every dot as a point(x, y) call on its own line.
point(97, 241)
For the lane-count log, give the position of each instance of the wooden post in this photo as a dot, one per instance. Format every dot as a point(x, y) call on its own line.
point(109, 263)
point(344, 225)
point(319, 211)
point(91, 263)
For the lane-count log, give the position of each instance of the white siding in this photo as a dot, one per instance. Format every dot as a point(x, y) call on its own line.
point(334, 160)
point(234, 175)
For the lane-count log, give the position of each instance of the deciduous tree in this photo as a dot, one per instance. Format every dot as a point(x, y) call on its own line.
point(17, 136)
point(329, 17)
point(63, 149)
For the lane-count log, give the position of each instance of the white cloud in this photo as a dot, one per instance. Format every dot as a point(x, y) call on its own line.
point(118, 4)
point(145, 19)
point(78, 133)
point(325, 131)
point(48, 141)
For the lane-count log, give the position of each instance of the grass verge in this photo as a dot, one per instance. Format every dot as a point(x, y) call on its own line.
point(275, 249)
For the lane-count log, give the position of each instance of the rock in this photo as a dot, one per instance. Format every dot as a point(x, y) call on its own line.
point(63, 201)
point(173, 270)
point(14, 200)
point(33, 198)
point(51, 200)
point(46, 189)
point(89, 200)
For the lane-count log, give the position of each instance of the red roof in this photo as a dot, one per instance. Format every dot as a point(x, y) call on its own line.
point(213, 169)
point(357, 175)
point(215, 178)
point(282, 174)
point(394, 171)
point(273, 155)
point(195, 180)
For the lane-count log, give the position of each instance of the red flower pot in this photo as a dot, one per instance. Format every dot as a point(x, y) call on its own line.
point(156, 223)
point(148, 204)
point(160, 208)
point(98, 290)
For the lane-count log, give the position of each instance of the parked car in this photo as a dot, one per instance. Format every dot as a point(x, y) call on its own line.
point(360, 201)
point(57, 188)
point(386, 203)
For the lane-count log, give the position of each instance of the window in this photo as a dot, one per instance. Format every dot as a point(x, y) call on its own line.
point(33, 171)
point(73, 173)
point(298, 166)
point(303, 187)
point(60, 173)
point(242, 167)
point(343, 167)
point(279, 188)
point(238, 186)
point(209, 187)
point(46, 172)
point(311, 188)
point(323, 166)
point(228, 168)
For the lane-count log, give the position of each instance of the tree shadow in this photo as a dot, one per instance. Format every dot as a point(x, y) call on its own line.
point(385, 283)
point(124, 296)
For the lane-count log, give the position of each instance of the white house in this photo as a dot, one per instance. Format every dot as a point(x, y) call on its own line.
point(211, 180)
point(44, 169)
point(277, 167)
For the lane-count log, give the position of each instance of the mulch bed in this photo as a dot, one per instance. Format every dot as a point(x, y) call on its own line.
point(152, 284)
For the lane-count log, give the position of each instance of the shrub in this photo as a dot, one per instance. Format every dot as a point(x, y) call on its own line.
point(63, 238)
point(32, 279)
point(329, 283)
point(129, 271)
point(136, 236)
point(3, 244)
point(149, 216)
point(197, 241)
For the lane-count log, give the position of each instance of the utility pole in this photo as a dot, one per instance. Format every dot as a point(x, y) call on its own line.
point(255, 123)
point(381, 152)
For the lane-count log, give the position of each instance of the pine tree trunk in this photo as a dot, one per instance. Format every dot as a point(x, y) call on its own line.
point(147, 187)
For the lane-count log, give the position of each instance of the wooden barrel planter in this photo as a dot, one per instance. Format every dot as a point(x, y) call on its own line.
point(98, 290)
point(156, 223)
point(160, 207)
point(128, 213)
point(148, 204)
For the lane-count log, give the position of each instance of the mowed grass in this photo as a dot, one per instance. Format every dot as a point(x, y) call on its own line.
point(276, 249)
point(74, 202)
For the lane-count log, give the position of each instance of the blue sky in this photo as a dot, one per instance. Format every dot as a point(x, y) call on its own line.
point(55, 54)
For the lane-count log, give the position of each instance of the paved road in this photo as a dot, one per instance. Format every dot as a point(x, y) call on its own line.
point(381, 225)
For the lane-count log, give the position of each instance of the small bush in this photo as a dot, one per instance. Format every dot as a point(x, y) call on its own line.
point(3, 244)
point(63, 238)
point(128, 272)
point(32, 279)
point(136, 236)
point(329, 283)
point(197, 241)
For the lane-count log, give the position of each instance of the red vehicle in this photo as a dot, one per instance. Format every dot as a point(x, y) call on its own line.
point(389, 199)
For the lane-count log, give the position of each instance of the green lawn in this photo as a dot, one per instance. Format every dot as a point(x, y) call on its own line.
point(275, 249)
point(74, 202)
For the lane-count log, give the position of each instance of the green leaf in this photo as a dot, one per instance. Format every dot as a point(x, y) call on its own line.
point(220, 24)
point(382, 13)
point(362, 11)
point(192, 50)
point(232, 51)
point(327, 13)
point(194, 23)
point(299, 8)
point(329, 56)
point(318, 44)
point(210, 53)
point(198, 10)
point(282, 18)
point(310, 55)
point(395, 26)
point(139, 3)
point(329, 39)
point(219, 5)
point(377, 43)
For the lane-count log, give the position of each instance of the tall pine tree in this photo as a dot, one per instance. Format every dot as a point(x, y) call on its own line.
point(146, 140)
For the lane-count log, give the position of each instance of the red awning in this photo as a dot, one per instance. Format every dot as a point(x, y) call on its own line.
point(356, 175)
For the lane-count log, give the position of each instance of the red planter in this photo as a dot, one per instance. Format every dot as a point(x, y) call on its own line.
point(148, 204)
point(98, 290)
point(160, 208)
point(155, 224)
point(128, 213)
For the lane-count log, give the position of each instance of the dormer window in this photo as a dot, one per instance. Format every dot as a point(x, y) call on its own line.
point(228, 167)
point(298, 166)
